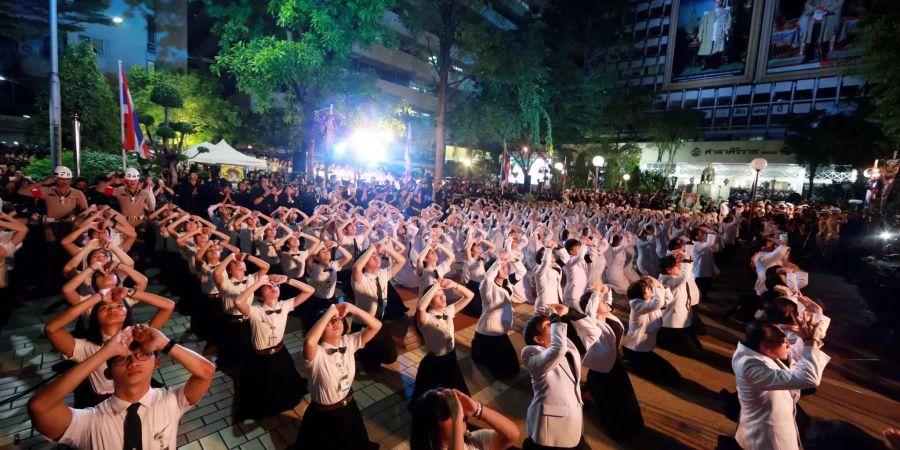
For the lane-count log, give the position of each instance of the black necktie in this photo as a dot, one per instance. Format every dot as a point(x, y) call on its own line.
point(355, 248)
point(273, 311)
point(133, 429)
point(340, 350)
point(379, 292)
point(440, 316)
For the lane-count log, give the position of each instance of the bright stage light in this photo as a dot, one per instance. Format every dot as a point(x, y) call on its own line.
point(340, 148)
point(885, 235)
point(558, 166)
point(369, 144)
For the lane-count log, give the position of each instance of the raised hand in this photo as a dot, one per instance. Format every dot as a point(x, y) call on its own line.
point(119, 344)
point(150, 338)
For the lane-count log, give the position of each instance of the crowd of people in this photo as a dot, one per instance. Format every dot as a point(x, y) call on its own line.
point(242, 260)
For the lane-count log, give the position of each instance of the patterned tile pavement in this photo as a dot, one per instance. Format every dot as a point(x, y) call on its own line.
point(689, 417)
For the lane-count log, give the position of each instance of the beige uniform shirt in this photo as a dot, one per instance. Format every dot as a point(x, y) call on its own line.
point(61, 205)
point(132, 205)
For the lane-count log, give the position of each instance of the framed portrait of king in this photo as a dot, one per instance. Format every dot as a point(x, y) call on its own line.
point(809, 37)
point(712, 42)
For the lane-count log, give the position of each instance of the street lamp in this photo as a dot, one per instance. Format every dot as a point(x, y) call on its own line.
point(558, 166)
point(117, 20)
point(598, 162)
point(758, 164)
point(625, 178)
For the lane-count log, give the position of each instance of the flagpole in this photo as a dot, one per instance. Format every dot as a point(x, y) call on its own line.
point(121, 117)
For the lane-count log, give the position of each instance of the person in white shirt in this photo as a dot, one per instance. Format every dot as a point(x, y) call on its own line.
point(270, 384)
point(370, 286)
point(439, 368)
point(768, 389)
point(645, 319)
point(615, 267)
point(473, 272)
point(647, 260)
point(491, 346)
point(109, 311)
point(427, 266)
point(575, 268)
point(770, 254)
point(439, 419)
point(333, 420)
point(231, 279)
point(676, 334)
point(292, 255)
point(554, 419)
point(136, 416)
point(607, 379)
point(705, 246)
point(323, 278)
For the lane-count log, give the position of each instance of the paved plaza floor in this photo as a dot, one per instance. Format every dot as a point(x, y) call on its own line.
point(861, 384)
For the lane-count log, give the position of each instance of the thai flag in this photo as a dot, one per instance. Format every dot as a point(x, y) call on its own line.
point(132, 138)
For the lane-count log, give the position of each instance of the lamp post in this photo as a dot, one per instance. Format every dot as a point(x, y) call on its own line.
point(758, 164)
point(598, 162)
point(625, 178)
point(55, 108)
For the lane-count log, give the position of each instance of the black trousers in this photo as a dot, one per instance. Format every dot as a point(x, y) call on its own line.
point(679, 340)
point(703, 283)
point(653, 367)
point(380, 350)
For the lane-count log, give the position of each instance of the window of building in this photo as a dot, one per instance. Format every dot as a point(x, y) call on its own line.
point(827, 88)
point(707, 98)
point(96, 43)
point(690, 99)
point(721, 118)
point(761, 93)
point(724, 96)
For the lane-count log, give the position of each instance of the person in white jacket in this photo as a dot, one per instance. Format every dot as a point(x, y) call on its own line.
point(768, 389)
point(648, 297)
point(554, 418)
point(647, 260)
point(676, 334)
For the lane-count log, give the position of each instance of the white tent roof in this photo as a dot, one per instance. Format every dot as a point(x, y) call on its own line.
point(224, 153)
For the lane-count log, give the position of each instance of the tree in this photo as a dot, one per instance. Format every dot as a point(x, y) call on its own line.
point(21, 19)
point(881, 64)
point(453, 32)
point(669, 129)
point(818, 139)
point(211, 116)
point(296, 49)
point(93, 163)
point(85, 93)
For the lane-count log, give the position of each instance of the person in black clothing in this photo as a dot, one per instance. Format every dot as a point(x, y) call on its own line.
point(188, 194)
point(242, 196)
point(100, 193)
point(264, 197)
point(290, 197)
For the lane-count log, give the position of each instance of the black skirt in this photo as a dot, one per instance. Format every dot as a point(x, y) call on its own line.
point(497, 354)
point(438, 371)
point(269, 385)
point(616, 403)
point(473, 309)
point(380, 350)
point(395, 309)
point(206, 318)
point(531, 445)
point(341, 428)
point(308, 310)
point(235, 346)
point(655, 368)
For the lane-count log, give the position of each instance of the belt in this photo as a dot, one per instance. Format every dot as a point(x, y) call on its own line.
point(271, 350)
point(214, 296)
point(63, 220)
point(141, 217)
point(346, 401)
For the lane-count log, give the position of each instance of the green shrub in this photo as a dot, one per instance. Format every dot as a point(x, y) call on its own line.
point(93, 163)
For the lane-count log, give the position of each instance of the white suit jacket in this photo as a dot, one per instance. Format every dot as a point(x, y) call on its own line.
point(554, 416)
point(547, 280)
point(600, 340)
point(768, 391)
point(644, 321)
point(678, 312)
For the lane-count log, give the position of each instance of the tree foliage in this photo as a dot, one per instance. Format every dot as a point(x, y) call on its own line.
point(881, 64)
point(293, 53)
point(669, 129)
point(818, 139)
point(93, 163)
point(84, 92)
point(23, 19)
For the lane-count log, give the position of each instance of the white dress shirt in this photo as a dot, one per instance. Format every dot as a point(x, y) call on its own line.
point(102, 427)
point(702, 254)
point(83, 350)
point(331, 375)
point(762, 261)
point(678, 310)
point(575, 268)
point(322, 280)
point(231, 289)
point(294, 262)
point(366, 291)
point(267, 324)
point(548, 276)
point(438, 330)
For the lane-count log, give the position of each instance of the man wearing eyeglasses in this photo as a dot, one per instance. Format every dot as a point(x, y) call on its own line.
point(769, 388)
point(136, 416)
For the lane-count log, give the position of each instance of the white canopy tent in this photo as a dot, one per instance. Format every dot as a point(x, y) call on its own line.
point(223, 153)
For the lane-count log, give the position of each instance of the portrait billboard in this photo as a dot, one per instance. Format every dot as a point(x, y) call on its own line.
point(712, 41)
point(813, 36)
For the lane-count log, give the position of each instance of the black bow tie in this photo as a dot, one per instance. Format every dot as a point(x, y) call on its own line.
point(240, 282)
point(328, 270)
point(340, 350)
point(273, 311)
point(441, 316)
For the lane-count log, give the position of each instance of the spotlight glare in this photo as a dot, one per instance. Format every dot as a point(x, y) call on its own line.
point(885, 235)
point(117, 20)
